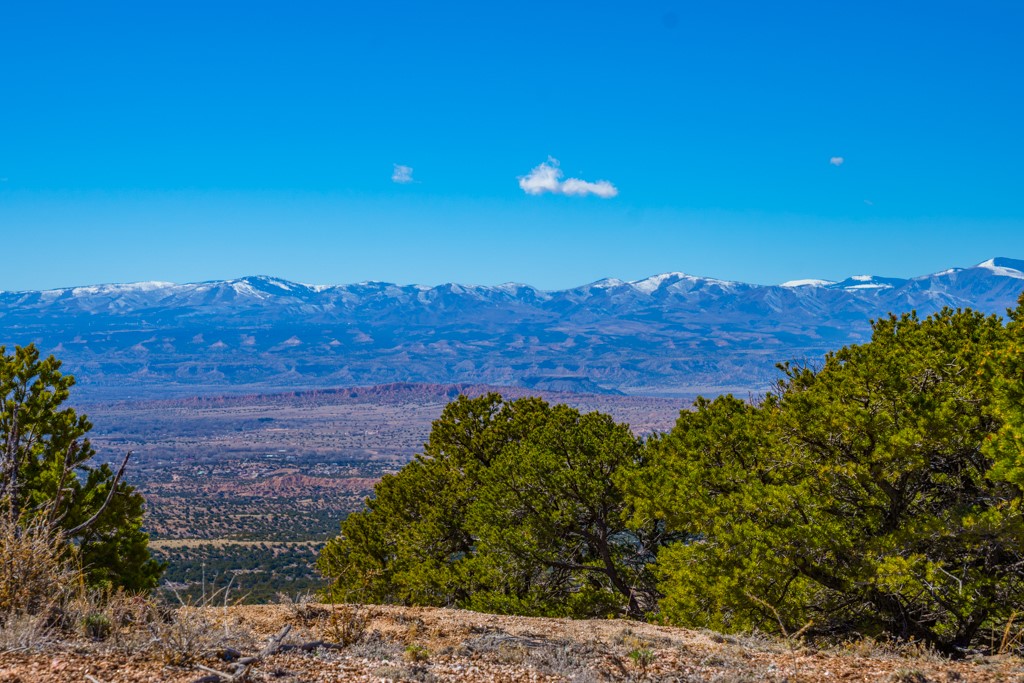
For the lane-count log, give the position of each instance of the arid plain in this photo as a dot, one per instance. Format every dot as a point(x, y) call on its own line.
point(247, 488)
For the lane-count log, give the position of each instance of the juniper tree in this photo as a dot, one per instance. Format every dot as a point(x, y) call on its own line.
point(48, 473)
point(513, 506)
point(857, 498)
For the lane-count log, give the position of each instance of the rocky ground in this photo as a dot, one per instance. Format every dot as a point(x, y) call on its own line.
point(309, 642)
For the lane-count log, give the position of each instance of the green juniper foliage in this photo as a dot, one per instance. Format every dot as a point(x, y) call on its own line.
point(553, 520)
point(1006, 372)
point(46, 471)
point(512, 507)
point(878, 495)
point(858, 498)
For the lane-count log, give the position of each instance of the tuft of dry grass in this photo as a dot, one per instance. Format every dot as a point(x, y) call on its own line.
point(340, 623)
point(871, 648)
point(44, 598)
point(197, 629)
point(347, 624)
point(37, 578)
point(24, 632)
point(35, 570)
point(112, 620)
point(1011, 640)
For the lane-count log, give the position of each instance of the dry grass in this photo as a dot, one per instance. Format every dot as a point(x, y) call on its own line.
point(109, 620)
point(1012, 639)
point(45, 605)
point(889, 649)
point(344, 624)
point(24, 632)
point(428, 644)
point(35, 569)
point(197, 629)
point(37, 578)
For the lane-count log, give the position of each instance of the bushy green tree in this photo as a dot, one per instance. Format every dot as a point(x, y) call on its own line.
point(46, 471)
point(1007, 374)
point(551, 513)
point(411, 545)
point(858, 498)
point(512, 507)
point(711, 479)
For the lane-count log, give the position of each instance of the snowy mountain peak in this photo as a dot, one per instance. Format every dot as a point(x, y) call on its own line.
point(809, 282)
point(116, 288)
point(1004, 267)
point(941, 273)
point(269, 284)
point(867, 282)
point(512, 287)
point(607, 283)
point(657, 282)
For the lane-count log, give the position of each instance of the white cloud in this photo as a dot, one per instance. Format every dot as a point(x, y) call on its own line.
point(402, 174)
point(581, 188)
point(836, 161)
point(547, 177)
point(543, 178)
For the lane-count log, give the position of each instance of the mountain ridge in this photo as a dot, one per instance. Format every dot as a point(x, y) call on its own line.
point(1000, 264)
point(668, 334)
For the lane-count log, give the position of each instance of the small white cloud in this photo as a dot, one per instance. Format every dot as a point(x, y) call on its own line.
point(402, 174)
point(581, 188)
point(869, 202)
point(836, 161)
point(547, 177)
point(543, 178)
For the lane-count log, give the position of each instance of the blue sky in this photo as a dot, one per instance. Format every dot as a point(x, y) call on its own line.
point(195, 140)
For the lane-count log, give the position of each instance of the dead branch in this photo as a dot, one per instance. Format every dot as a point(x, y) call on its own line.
point(243, 665)
point(53, 514)
point(110, 495)
point(765, 603)
point(272, 647)
point(9, 465)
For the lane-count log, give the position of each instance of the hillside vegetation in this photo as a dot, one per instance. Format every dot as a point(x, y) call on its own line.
point(878, 495)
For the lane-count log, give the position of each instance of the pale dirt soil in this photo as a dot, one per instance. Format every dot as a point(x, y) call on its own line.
point(456, 645)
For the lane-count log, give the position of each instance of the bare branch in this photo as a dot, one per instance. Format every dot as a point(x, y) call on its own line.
point(9, 465)
point(110, 495)
point(53, 515)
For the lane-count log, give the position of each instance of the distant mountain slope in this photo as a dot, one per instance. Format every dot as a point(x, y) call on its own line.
point(670, 334)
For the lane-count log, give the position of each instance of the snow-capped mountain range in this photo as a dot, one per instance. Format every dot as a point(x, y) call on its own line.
point(669, 334)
